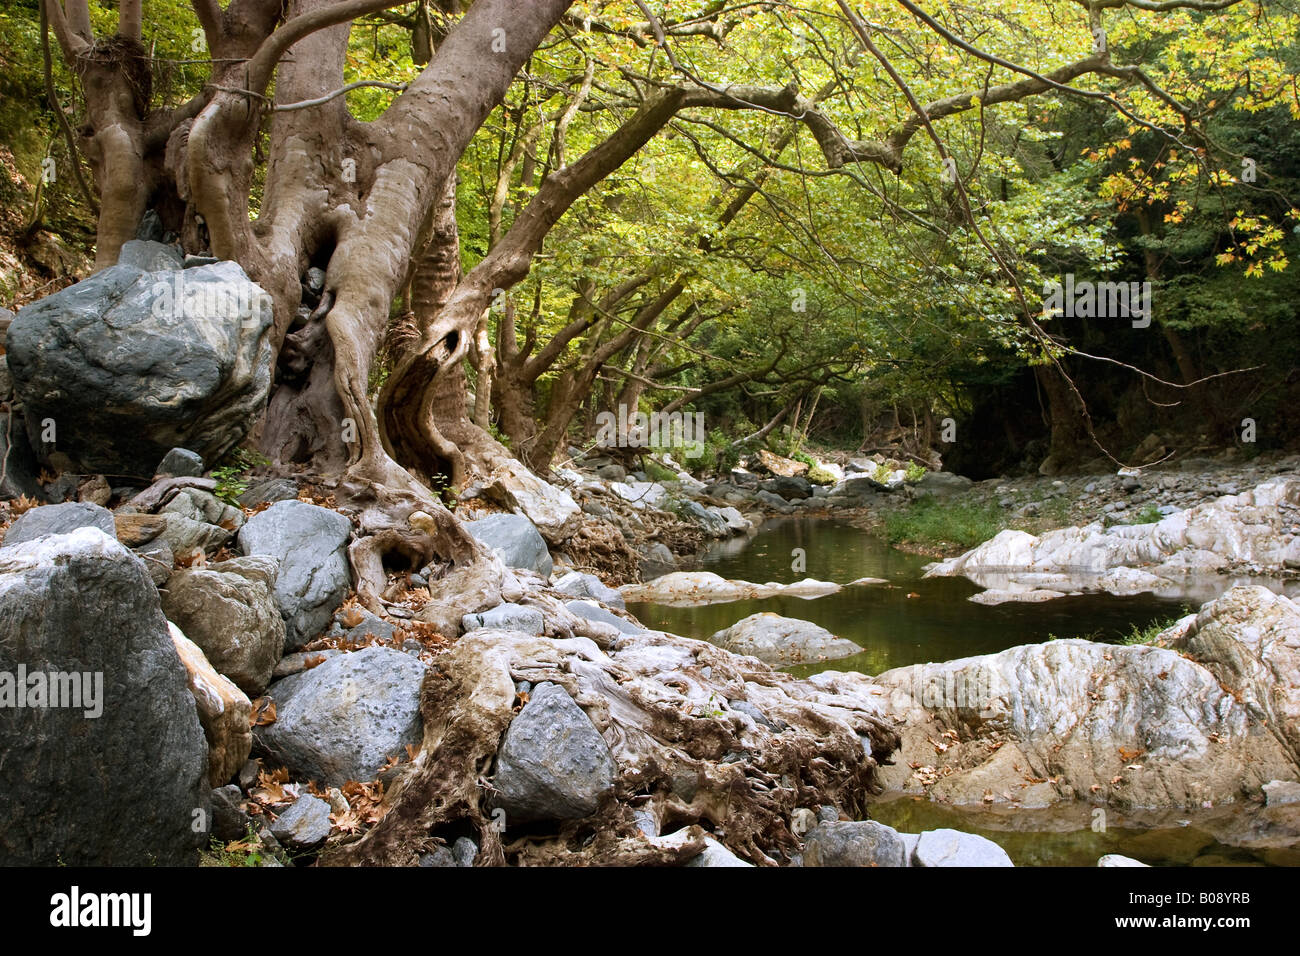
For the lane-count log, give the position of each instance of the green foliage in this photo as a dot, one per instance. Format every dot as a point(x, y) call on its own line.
point(1148, 514)
point(1148, 634)
point(231, 475)
point(934, 522)
point(881, 473)
point(820, 476)
point(657, 472)
point(913, 473)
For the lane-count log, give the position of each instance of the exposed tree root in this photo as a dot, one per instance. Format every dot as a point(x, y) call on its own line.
point(686, 753)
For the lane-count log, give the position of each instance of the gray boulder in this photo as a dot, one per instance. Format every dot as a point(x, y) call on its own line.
point(130, 364)
point(111, 770)
point(304, 824)
point(180, 463)
point(774, 502)
point(954, 848)
point(594, 612)
point(342, 719)
point(229, 610)
point(229, 821)
point(506, 617)
point(311, 544)
point(150, 256)
point(516, 541)
point(583, 585)
point(58, 519)
point(553, 764)
point(268, 489)
point(199, 505)
point(943, 483)
point(782, 640)
point(790, 489)
point(865, 843)
point(184, 534)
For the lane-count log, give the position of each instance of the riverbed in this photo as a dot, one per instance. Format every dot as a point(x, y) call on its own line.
point(912, 620)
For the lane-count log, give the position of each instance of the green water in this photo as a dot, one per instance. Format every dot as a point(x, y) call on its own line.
point(910, 621)
point(913, 621)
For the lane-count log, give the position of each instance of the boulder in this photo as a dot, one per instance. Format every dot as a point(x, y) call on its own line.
point(506, 617)
point(640, 494)
point(304, 824)
point(954, 848)
point(793, 488)
point(268, 489)
point(1249, 529)
point(553, 764)
point(342, 719)
point(686, 588)
point(224, 711)
point(516, 541)
point(594, 612)
point(150, 256)
point(1114, 859)
point(229, 820)
point(58, 519)
point(203, 506)
point(229, 610)
point(131, 364)
point(943, 483)
point(185, 535)
point(583, 585)
point(551, 510)
point(180, 463)
point(865, 843)
point(779, 640)
point(311, 545)
point(117, 777)
point(1210, 718)
point(1279, 793)
point(776, 465)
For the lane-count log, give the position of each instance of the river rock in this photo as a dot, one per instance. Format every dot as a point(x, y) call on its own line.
point(865, 843)
point(224, 711)
point(1252, 528)
point(1211, 717)
point(640, 494)
point(782, 640)
point(954, 848)
point(58, 519)
point(686, 588)
point(1114, 859)
point(594, 612)
point(203, 506)
point(551, 510)
point(185, 535)
point(229, 820)
point(229, 610)
point(506, 617)
point(776, 465)
point(943, 483)
point(342, 719)
point(583, 585)
point(516, 541)
point(190, 365)
point(789, 489)
point(304, 824)
point(311, 544)
point(553, 764)
point(180, 463)
point(120, 787)
point(150, 256)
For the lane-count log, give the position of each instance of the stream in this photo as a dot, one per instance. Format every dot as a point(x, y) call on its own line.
point(914, 620)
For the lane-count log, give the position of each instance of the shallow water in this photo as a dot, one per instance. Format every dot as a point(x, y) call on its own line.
point(910, 621)
point(914, 621)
